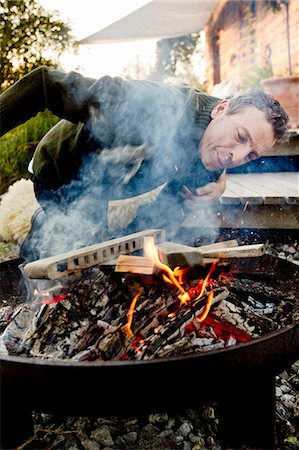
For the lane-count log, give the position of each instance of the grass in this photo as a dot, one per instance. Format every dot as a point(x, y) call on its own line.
point(17, 147)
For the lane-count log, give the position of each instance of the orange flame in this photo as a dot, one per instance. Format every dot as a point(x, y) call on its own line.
point(127, 328)
point(176, 278)
point(207, 307)
point(151, 251)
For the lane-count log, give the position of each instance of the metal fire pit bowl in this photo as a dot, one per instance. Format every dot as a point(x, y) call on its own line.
point(239, 378)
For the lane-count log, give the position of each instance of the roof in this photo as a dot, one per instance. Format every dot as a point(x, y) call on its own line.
point(158, 19)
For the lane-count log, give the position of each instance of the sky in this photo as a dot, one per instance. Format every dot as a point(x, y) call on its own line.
point(89, 16)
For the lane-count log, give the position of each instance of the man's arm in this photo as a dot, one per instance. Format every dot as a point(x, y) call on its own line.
point(67, 95)
point(209, 193)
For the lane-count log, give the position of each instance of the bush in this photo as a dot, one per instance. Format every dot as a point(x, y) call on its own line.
point(17, 147)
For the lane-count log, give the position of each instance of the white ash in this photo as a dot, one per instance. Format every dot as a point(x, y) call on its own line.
point(233, 314)
point(17, 328)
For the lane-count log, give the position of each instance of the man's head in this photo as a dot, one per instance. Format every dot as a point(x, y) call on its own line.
point(242, 129)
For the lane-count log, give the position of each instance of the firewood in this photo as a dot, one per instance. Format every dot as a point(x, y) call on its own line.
point(242, 251)
point(224, 244)
point(67, 263)
point(135, 264)
point(175, 254)
point(181, 255)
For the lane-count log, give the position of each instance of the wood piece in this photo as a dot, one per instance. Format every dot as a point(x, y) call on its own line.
point(135, 264)
point(260, 217)
point(174, 254)
point(216, 245)
point(258, 189)
point(242, 251)
point(67, 263)
point(144, 265)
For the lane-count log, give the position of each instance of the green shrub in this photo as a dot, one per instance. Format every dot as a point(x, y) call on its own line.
point(17, 147)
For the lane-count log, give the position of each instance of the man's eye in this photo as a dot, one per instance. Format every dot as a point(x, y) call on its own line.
point(242, 138)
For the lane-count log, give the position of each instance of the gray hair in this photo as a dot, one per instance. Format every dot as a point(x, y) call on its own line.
point(273, 110)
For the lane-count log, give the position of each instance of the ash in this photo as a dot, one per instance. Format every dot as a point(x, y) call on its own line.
point(87, 319)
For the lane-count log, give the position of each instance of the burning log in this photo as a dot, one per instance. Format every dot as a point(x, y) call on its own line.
point(74, 261)
point(175, 255)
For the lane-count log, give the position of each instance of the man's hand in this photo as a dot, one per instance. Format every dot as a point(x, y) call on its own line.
point(209, 193)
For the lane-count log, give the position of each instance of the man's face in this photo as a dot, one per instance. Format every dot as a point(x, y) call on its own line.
point(232, 140)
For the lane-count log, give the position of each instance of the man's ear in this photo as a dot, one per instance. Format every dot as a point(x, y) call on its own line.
point(220, 108)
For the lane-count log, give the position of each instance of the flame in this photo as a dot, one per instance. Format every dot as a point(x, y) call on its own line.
point(151, 252)
point(127, 327)
point(207, 307)
point(175, 277)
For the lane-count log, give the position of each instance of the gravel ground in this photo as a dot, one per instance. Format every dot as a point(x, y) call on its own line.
point(190, 430)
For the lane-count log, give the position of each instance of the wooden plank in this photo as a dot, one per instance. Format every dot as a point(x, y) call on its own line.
point(268, 184)
point(65, 263)
point(135, 264)
point(275, 200)
point(258, 189)
point(254, 184)
point(174, 254)
point(242, 251)
point(241, 201)
point(260, 217)
point(287, 180)
point(241, 188)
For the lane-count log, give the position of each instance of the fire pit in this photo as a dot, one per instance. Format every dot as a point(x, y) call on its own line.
point(237, 377)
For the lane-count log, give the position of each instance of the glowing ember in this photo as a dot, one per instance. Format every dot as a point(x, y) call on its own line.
point(53, 299)
point(48, 297)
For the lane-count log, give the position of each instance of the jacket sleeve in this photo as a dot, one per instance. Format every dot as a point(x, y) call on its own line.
point(67, 95)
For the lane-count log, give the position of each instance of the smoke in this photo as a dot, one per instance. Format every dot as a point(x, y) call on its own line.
point(146, 136)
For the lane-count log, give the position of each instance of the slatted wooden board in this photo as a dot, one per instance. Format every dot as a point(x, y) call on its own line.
point(262, 188)
point(252, 201)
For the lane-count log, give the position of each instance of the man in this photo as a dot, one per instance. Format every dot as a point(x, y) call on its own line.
point(119, 139)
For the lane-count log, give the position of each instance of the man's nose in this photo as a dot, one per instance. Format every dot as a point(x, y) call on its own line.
point(238, 155)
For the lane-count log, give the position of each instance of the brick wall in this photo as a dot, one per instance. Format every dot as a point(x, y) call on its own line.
point(245, 40)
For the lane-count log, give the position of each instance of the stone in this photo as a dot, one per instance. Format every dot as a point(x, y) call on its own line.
point(102, 435)
point(158, 418)
point(185, 428)
point(90, 444)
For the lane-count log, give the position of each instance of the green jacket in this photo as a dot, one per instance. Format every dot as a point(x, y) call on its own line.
point(108, 113)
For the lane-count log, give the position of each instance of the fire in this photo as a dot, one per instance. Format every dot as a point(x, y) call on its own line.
point(130, 315)
point(48, 297)
point(151, 251)
point(175, 277)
